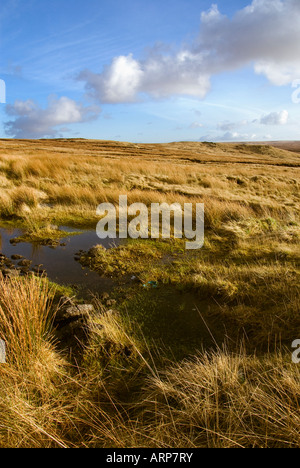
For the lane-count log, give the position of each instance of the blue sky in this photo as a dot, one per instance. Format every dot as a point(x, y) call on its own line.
point(151, 71)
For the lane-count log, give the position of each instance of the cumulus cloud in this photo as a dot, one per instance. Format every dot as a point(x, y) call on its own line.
point(265, 33)
point(118, 83)
point(159, 76)
point(31, 121)
point(275, 118)
point(230, 136)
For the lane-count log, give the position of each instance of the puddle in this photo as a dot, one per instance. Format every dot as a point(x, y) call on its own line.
point(59, 263)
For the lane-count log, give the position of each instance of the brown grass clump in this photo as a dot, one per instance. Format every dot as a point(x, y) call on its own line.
point(226, 401)
point(25, 317)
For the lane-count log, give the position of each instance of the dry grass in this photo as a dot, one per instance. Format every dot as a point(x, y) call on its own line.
point(53, 176)
point(122, 395)
point(25, 318)
point(212, 400)
point(226, 401)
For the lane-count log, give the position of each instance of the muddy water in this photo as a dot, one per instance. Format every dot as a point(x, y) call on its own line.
point(59, 262)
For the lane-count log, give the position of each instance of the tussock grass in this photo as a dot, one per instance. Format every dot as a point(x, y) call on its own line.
point(43, 404)
point(124, 394)
point(226, 401)
point(25, 317)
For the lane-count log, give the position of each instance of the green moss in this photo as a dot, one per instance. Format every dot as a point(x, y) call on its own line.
point(60, 290)
point(45, 237)
point(137, 257)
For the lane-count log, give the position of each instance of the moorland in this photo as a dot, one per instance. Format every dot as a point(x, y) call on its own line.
point(189, 348)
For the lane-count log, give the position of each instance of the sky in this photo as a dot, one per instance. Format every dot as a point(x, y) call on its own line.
point(150, 70)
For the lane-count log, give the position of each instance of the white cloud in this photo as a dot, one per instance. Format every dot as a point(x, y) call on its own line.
point(118, 83)
point(275, 118)
point(159, 76)
point(230, 136)
point(266, 34)
point(196, 125)
point(235, 136)
point(31, 121)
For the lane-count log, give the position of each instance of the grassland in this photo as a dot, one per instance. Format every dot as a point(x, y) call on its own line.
point(128, 390)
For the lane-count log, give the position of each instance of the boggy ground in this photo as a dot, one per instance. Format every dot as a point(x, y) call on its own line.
point(130, 386)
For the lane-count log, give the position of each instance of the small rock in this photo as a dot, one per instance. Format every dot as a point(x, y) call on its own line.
point(14, 241)
point(74, 312)
point(50, 242)
point(25, 263)
point(66, 301)
point(93, 252)
point(17, 257)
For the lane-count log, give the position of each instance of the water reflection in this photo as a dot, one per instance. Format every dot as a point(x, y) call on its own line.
point(59, 262)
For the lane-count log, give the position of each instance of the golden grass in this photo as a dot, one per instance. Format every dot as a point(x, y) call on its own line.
point(82, 174)
point(24, 317)
point(122, 395)
point(212, 400)
point(226, 401)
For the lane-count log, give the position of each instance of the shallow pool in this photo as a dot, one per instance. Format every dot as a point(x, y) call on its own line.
point(59, 262)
